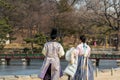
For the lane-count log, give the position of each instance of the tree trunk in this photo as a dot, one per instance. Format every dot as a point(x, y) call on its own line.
point(31, 36)
point(118, 41)
point(32, 47)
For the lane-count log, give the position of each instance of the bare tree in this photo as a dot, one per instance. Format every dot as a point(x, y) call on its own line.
point(104, 13)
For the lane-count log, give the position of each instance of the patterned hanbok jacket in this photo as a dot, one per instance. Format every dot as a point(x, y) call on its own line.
point(52, 51)
point(84, 67)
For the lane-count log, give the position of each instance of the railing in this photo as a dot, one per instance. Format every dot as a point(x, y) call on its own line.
point(38, 55)
point(27, 57)
point(105, 56)
point(23, 55)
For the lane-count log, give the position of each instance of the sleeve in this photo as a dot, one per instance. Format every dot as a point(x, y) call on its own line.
point(44, 51)
point(61, 51)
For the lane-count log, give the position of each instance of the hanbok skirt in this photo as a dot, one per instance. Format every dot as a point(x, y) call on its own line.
point(84, 72)
point(51, 70)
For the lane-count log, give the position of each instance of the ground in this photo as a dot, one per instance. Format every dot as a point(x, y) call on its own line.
point(101, 75)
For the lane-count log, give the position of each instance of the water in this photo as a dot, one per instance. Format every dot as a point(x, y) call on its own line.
point(17, 68)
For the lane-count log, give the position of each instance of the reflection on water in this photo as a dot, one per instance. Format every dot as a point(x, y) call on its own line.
point(17, 68)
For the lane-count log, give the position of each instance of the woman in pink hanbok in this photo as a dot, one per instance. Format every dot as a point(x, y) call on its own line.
point(51, 69)
point(84, 66)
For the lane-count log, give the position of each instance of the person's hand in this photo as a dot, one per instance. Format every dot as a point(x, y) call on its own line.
point(72, 61)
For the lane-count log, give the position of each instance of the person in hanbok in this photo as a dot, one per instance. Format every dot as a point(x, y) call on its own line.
point(72, 59)
point(84, 67)
point(51, 69)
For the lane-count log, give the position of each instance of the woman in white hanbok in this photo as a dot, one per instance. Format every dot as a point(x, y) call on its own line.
point(51, 69)
point(72, 59)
